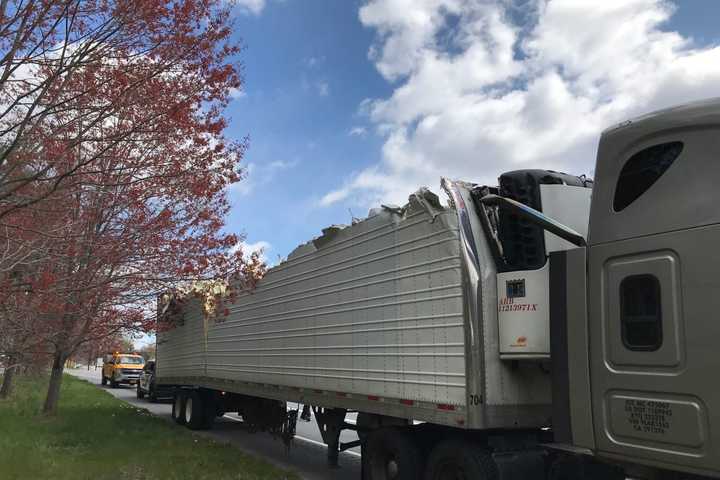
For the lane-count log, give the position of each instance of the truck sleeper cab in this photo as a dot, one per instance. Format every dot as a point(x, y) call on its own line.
point(641, 344)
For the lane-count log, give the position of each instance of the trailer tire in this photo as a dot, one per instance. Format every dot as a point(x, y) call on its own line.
point(140, 393)
point(103, 380)
point(113, 383)
point(456, 459)
point(392, 455)
point(567, 467)
point(194, 411)
point(152, 396)
point(178, 408)
point(209, 405)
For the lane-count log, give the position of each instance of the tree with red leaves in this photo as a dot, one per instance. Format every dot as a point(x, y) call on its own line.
point(114, 165)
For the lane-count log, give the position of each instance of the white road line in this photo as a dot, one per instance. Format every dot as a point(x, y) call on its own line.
point(315, 442)
point(232, 418)
point(308, 440)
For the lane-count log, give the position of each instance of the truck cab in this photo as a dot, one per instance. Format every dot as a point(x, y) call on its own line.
point(635, 312)
point(121, 368)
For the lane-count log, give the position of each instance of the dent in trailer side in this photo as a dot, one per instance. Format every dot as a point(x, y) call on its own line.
point(511, 394)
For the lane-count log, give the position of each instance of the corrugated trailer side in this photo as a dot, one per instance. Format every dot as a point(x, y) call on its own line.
point(367, 316)
point(373, 309)
point(181, 350)
point(394, 317)
point(389, 316)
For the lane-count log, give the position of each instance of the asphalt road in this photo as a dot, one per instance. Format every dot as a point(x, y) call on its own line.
point(307, 456)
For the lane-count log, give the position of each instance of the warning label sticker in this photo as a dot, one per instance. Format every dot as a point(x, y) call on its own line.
point(658, 420)
point(649, 416)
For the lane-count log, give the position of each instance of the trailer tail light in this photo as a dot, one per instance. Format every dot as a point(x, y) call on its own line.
point(373, 397)
point(444, 406)
point(407, 402)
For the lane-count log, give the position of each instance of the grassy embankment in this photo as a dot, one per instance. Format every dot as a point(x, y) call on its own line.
point(96, 436)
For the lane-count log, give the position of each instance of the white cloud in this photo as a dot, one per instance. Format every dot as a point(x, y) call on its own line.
point(246, 185)
point(277, 165)
point(237, 94)
point(261, 246)
point(477, 94)
point(323, 88)
point(363, 187)
point(258, 175)
point(254, 7)
point(335, 196)
point(358, 131)
point(312, 62)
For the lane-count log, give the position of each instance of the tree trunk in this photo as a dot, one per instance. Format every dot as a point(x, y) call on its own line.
point(53, 394)
point(6, 388)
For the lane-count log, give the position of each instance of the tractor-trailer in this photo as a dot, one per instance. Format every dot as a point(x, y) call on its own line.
point(512, 331)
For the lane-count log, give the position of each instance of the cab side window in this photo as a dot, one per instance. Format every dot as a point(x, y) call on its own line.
point(642, 170)
point(641, 313)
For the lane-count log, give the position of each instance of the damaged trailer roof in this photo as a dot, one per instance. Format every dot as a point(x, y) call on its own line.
point(423, 198)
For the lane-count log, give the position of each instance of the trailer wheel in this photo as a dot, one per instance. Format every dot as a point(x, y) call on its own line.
point(152, 396)
point(455, 460)
point(194, 413)
point(570, 468)
point(209, 408)
point(565, 468)
point(103, 380)
point(392, 455)
point(178, 408)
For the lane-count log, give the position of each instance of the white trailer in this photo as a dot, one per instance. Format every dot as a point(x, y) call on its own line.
point(483, 337)
point(395, 317)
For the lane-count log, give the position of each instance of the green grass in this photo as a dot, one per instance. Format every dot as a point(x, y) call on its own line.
point(96, 436)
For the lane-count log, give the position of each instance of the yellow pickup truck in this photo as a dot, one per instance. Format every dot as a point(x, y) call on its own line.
point(122, 368)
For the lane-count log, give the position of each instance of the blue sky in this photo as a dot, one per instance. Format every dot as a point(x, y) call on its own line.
point(466, 93)
point(306, 72)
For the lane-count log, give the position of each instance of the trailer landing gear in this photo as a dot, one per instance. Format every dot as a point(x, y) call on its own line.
point(331, 421)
